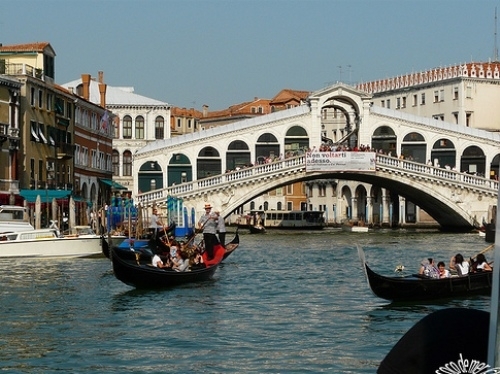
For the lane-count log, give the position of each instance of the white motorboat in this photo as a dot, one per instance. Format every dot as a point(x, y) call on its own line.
point(354, 226)
point(14, 218)
point(47, 243)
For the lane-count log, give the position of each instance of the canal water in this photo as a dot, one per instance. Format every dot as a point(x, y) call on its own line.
point(284, 302)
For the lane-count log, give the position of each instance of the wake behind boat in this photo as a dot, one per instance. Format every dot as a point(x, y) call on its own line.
point(417, 287)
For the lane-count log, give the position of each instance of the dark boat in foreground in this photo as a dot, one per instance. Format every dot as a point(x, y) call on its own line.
point(135, 269)
point(415, 288)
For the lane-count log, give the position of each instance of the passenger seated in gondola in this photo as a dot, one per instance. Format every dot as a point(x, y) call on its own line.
point(443, 272)
point(159, 263)
point(197, 261)
point(428, 268)
point(459, 265)
point(181, 261)
point(481, 264)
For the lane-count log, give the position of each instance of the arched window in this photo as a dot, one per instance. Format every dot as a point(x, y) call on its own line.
point(127, 163)
point(116, 162)
point(127, 127)
point(116, 127)
point(139, 127)
point(159, 128)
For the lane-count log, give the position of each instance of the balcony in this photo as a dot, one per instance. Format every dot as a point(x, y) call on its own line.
point(21, 69)
point(9, 186)
point(65, 151)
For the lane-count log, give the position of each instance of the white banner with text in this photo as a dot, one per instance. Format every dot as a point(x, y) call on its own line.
point(340, 161)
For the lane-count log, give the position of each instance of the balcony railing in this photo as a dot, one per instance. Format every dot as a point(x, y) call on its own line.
point(9, 186)
point(21, 69)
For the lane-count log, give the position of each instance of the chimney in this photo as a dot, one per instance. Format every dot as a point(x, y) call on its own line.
point(102, 93)
point(205, 110)
point(86, 86)
point(100, 77)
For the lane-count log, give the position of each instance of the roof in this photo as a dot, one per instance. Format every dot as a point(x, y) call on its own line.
point(37, 47)
point(115, 95)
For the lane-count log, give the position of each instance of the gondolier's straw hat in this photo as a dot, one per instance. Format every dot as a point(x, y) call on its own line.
point(208, 206)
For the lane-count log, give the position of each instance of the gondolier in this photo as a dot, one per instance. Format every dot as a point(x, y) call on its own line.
point(208, 223)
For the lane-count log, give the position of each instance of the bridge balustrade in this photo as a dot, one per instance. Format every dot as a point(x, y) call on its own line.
point(426, 171)
point(297, 164)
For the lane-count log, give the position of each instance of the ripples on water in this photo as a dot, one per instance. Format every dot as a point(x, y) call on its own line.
point(282, 303)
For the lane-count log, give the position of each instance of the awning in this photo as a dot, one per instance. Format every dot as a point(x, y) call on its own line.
point(45, 195)
point(113, 184)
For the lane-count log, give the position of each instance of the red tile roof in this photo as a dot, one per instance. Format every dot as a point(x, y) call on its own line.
point(28, 47)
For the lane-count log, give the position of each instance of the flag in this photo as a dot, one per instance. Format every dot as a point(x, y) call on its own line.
point(104, 121)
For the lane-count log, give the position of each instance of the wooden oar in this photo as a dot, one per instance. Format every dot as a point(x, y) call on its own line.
point(484, 251)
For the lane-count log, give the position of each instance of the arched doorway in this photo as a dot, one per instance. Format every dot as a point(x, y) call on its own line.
point(179, 169)
point(238, 155)
point(296, 141)
point(267, 146)
point(208, 163)
point(473, 161)
point(384, 139)
point(443, 153)
point(494, 167)
point(150, 176)
point(414, 147)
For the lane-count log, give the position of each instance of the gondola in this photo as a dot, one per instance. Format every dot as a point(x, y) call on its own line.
point(134, 267)
point(257, 229)
point(416, 288)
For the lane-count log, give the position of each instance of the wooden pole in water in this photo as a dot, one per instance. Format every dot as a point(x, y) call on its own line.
point(494, 332)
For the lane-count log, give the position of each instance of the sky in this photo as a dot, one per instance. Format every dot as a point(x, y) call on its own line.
point(191, 53)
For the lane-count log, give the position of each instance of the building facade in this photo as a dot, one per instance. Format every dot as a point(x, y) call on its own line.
point(44, 163)
point(137, 120)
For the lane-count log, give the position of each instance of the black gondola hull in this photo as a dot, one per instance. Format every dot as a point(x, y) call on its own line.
point(414, 288)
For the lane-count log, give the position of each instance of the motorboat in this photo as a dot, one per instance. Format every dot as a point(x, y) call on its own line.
point(14, 218)
point(48, 243)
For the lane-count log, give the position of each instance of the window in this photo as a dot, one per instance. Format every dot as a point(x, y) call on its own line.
point(116, 163)
point(289, 189)
point(398, 103)
point(127, 127)
point(139, 127)
point(382, 103)
point(127, 163)
point(422, 99)
point(50, 101)
point(116, 128)
point(32, 96)
point(34, 132)
point(159, 128)
point(40, 98)
point(415, 101)
point(41, 131)
point(455, 93)
point(388, 104)
point(189, 123)
point(455, 115)
point(468, 92)
point(436, 96)
point(179, 125)
point(441, 95)
point(403, 105)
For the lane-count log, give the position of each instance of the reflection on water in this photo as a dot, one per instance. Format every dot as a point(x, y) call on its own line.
point(283, 302)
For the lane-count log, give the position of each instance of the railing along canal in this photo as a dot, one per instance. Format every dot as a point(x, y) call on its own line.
point(297, 164)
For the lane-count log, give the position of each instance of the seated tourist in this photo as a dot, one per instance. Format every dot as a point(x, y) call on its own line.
point(181, 261)
point(443, 272)
point(428, 268)
point(197, 261)
point(481, 264)
point(459, 264)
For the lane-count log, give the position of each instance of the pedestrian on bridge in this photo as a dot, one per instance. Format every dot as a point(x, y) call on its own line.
point(208, 223)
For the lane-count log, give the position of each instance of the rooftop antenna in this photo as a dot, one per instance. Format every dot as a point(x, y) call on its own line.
point(495, 48)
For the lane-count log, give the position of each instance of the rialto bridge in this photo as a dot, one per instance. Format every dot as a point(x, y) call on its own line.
point(451, 172)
